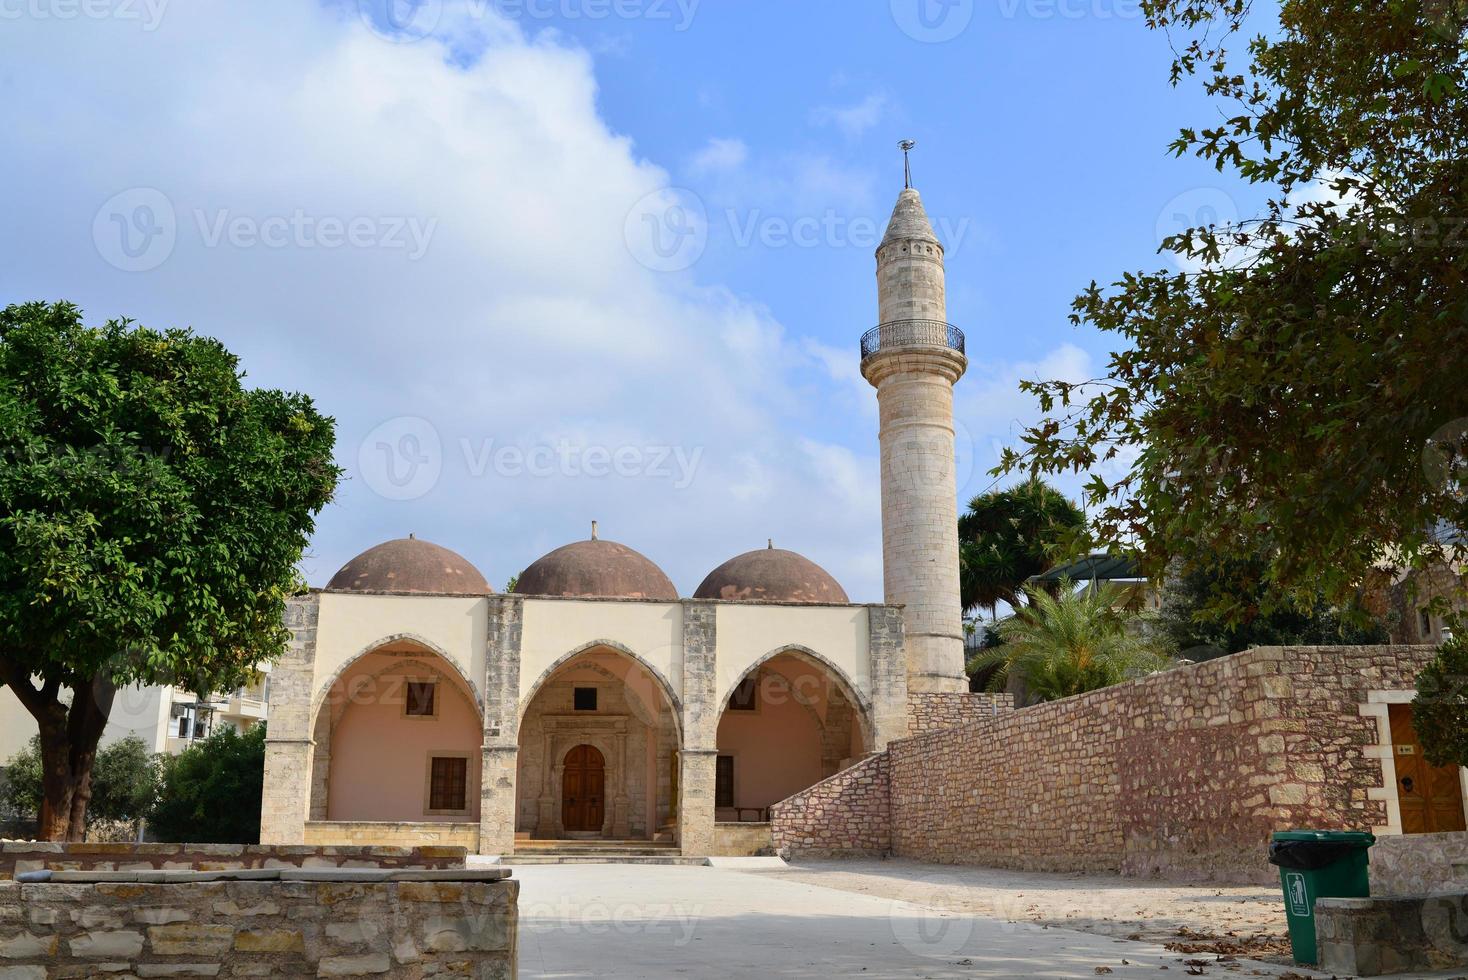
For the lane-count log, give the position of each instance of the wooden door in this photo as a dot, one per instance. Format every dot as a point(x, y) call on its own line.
point(583, 790)
point(1431, 796)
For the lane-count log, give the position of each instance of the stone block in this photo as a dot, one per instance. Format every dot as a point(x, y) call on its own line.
point(354, 966)
point(269, 941)
point(123, 944)
point(190, 939)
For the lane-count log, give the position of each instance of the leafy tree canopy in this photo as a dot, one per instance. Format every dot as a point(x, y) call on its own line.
point(152, 512)
point(1006, 536)
point(211, 791)
point(1440, 710)
point(1300, 393)
point(1187, 623)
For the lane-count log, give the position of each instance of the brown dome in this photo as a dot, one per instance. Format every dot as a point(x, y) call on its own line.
point(409, 565)
point(596, 568)
point(771, 575)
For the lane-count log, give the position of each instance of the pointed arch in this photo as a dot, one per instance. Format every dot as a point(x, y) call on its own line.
point(662, 682)
point(862, 704)
point(319, 698)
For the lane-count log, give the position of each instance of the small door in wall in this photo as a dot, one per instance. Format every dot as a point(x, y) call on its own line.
point(1431, 797)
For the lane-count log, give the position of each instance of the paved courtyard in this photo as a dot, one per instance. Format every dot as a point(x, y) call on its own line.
point(623, 921)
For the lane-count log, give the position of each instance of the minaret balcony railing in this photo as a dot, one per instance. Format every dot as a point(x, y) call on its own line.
point(911, 333)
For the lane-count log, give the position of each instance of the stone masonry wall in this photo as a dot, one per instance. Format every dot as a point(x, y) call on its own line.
point(406, 929)
point(846, 815)
point(934, 711)
point(18, 857)
point(1183, 774)
point(1420, 864)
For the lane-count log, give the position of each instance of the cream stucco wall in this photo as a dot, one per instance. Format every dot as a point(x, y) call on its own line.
point(749, 633)
point(350, 625)
point(16, 725)
point(140, 711)
point(554, 628)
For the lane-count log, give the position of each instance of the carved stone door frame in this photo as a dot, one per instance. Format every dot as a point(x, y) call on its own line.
point(608, 735)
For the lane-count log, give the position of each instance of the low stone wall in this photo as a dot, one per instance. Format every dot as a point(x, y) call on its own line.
point(340, 832)
point(1419, 864)
point(1183, 774)
point(406, 929)
point(741, 840)
point(18, 857)
point(933, 712)
point(845, 815)
point(1372, 937)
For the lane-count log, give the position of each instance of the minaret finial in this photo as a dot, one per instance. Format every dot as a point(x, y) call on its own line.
point(772, 543)
point(907, 146)
point(593, 530)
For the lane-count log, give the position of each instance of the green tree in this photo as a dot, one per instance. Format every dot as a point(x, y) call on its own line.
point(1186, 621)
point(1069, 643)
point(210, 793)
point(1006, 536)
point(1440, 710)
point(1299, 392)
point(152, 512)
point(124, 781)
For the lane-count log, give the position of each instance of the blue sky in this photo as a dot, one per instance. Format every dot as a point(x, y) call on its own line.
point(435, 219)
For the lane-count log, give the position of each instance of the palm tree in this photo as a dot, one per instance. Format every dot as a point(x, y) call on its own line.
point(1003, 540)
point(1069, 643)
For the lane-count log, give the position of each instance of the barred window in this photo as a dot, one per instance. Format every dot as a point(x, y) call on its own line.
point(448, 783)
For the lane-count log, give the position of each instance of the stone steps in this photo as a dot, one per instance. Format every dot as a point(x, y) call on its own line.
point(527, 860)
point(597, 852)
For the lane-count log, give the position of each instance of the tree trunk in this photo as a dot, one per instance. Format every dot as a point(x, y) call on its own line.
point(68, 746)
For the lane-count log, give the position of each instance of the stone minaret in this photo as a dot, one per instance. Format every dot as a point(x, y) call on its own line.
point(913, 357)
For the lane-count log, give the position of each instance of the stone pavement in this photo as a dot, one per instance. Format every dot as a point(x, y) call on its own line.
point(626, 921)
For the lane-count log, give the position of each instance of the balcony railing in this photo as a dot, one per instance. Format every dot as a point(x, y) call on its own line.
point(911, 333)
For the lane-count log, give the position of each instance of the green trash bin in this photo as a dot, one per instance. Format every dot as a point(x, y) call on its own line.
point(1318, 864)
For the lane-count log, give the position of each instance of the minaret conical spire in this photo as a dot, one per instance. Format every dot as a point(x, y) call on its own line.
point(910, 220)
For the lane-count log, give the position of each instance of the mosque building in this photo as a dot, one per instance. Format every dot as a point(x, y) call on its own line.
point(594, 703)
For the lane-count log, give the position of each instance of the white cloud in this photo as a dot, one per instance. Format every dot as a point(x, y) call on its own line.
point(853, 120)
point(526, 324)
point(720, 154)
point(991, 412)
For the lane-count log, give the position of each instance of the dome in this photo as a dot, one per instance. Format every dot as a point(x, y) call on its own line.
point(771, 575)
point(409, 565)
point(596, 568)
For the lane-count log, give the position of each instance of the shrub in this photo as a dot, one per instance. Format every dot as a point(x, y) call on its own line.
point(210, 792)
point(124, 783)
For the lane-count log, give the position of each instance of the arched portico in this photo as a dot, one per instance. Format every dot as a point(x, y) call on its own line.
point(398, 736)
point(789, 721)
point(604, 698)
